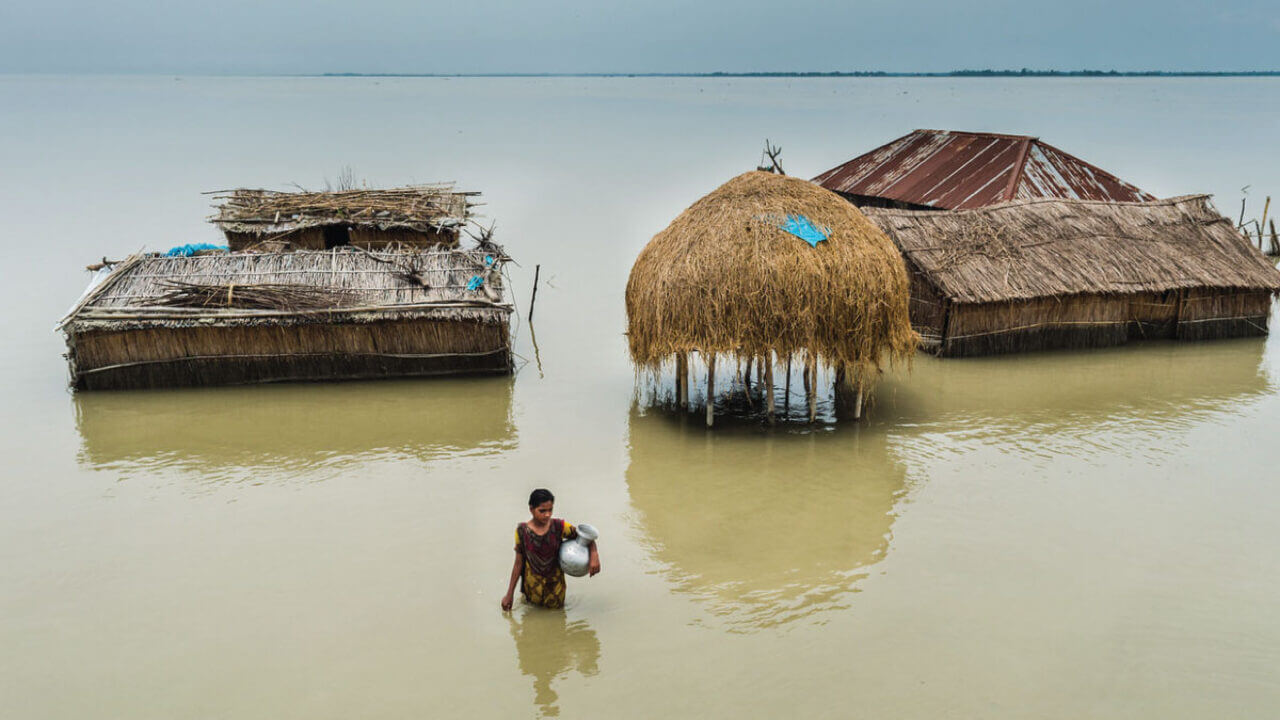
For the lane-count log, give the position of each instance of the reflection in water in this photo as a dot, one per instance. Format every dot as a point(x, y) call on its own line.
point(1074, 403)
point(295, 427)
point(768, 528)
point(548, 646)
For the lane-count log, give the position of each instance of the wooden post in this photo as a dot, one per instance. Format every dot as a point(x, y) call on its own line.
point(682, 381)
point(857, 404)
point(813, 388)
point(537, 270)
point(711, 389)
point(767, 361)
point(1262, 225)
point(786, 398)
point(747, 378)
point(1275, 239)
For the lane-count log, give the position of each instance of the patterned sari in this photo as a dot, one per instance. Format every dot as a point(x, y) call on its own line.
point(542, 580)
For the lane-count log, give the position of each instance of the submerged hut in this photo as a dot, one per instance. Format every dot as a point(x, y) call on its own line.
point(415, 216)
point(1054, 273)
point(764, 269)
point(345, 313)
point(952, 170)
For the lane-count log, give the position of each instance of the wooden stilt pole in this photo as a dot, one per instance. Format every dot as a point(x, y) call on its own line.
point(747, 377)
point(857, 404)
point(786, 398)
point(813, 388)
point(682, 381)
point(711, 389)
point(767, 362)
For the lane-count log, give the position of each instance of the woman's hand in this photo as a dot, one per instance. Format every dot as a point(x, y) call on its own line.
point(508, 600)
point(593, 566)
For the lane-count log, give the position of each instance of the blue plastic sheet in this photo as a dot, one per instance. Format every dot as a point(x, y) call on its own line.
point(475, 282)
point(193, 248)
point(800, 226)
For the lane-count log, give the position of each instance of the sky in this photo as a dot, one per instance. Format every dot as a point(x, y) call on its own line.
point(499, 36)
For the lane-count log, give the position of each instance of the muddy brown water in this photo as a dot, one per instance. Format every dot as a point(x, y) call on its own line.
point(1058, 535)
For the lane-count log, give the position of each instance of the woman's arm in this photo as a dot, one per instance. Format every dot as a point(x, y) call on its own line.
point(593, 561)
point(509, 599)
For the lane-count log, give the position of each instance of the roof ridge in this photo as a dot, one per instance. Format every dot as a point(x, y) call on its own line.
point(1175, 200)
point(977, 133)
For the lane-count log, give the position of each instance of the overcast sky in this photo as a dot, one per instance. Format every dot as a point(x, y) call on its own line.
point(295, 36)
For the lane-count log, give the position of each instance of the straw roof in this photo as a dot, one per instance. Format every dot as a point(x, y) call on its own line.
point(340, 285)
point(422, 208)
point(725, 278)
point(1055, 247)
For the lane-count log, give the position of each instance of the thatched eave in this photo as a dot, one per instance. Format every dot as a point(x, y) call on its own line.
point(1051, 247)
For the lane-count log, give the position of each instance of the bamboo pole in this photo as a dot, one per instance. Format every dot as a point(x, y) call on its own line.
point(750, 360)
point(857, 403)
point(682, 381)
point(767, 361)
point(1275, 239)
point(1262, 225)
point(813, 388)
point(711, 389)
point(786, 398)
point(537, 270)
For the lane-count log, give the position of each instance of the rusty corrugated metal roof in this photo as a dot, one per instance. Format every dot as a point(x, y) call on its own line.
point(961, 170)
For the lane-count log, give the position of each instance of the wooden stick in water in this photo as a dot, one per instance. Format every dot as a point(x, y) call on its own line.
point(537, 270)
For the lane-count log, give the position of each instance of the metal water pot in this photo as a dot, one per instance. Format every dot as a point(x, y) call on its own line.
point(574, 555)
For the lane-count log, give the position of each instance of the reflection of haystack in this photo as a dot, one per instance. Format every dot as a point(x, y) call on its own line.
point(722, 280)
point(767, 531)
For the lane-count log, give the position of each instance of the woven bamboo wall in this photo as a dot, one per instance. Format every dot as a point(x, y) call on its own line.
point(169, 357)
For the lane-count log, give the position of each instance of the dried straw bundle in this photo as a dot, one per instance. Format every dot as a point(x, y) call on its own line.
point(267, 296)
point(725, 278)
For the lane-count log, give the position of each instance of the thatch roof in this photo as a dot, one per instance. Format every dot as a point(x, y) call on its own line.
point(1051, 247)
point(422, 208)
point(340, 285)
point(725, 278)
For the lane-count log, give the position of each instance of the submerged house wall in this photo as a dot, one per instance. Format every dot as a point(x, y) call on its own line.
point(196, 356)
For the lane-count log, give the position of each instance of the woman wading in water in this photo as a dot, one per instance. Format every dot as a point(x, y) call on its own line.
point(537, 565)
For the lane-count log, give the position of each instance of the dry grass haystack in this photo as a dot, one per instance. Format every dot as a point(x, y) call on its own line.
point(419, 215)
point(1053, 273)
point(237, 318)
point(725, 278)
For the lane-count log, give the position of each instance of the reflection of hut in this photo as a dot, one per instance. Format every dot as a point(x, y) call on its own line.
point(765, 532)
point(1150, 388)
point(1048, 273)
point(239, 318)
point(420, 216)
point(271, 430)
point(765, 268)
point(950, 170)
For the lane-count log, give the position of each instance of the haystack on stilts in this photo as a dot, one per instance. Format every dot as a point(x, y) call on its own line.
point(773, 268)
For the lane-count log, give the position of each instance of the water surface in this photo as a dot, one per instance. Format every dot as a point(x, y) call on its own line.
point(1059, 535)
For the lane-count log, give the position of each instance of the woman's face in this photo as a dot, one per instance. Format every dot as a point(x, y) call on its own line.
point(542, 513)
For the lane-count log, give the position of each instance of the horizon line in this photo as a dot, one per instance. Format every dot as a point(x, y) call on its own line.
point(1024, 72)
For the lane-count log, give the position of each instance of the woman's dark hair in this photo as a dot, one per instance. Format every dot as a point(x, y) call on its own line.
point(539, 496)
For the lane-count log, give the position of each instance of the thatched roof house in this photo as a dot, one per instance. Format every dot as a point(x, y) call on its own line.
point(311, 315)
point(953, 170)
point(1051, 273)
point(768, 267)
point(420, 215)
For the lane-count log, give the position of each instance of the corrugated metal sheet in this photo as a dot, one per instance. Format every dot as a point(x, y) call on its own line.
point(961, 170)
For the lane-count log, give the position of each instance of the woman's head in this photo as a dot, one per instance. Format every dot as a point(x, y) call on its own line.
point(541, 502)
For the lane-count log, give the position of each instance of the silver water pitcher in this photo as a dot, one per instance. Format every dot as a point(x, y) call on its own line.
point(574, 555)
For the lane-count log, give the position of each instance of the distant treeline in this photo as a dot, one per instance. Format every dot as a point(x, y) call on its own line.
point(1024, 72)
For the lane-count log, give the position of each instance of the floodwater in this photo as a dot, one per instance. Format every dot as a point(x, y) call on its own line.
point(1057, 535)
